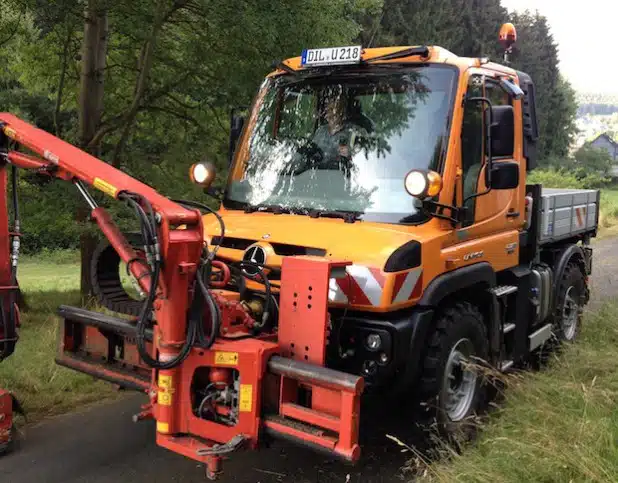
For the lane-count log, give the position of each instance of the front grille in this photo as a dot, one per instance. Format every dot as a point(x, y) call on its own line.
point(281, 249)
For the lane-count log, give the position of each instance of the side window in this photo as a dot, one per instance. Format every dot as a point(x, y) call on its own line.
point(472, 139)
point(496, 94)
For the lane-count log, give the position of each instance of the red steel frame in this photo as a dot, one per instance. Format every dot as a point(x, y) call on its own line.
point(330, 418)
point(6, 420)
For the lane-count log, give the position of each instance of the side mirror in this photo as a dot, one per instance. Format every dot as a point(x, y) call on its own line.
point(502, 131)
point(504, 176)
point(513, 90)
point(237, 122)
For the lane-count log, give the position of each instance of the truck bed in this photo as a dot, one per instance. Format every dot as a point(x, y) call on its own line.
point(566, 213)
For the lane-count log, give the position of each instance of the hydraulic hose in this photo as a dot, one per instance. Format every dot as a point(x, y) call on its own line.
point(151, 245)
point(201, 206)
point(195, 334)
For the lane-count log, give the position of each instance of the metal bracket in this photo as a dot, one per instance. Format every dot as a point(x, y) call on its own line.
point(218, 449)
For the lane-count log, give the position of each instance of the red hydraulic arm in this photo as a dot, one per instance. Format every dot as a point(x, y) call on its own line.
point(209, 395)
point(180, 248)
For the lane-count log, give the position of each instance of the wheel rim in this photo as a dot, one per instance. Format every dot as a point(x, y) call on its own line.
point(459, 385)
point(570, 314)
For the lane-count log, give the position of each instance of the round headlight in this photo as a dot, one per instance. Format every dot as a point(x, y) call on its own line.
point(202, 173)
point(416, 183)
point(373, 342)
point(423, 184)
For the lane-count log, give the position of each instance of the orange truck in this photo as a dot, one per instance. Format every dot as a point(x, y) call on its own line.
point(376, 234)
point(421, 184)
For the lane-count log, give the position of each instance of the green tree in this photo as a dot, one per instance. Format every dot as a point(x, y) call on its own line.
point(536, 53)
point(589, 159)
point(147, 85)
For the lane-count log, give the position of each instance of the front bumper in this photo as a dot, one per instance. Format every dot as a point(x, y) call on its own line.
point(397, 362)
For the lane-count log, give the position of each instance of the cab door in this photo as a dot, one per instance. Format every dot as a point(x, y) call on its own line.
point(486, 211)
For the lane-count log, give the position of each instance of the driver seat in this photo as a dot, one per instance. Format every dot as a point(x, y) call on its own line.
point(355, 115)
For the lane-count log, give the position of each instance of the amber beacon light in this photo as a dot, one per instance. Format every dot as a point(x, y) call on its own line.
point(508, 35)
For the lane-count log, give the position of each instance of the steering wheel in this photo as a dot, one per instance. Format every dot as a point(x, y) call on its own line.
point(316, 159)
point(312, 157)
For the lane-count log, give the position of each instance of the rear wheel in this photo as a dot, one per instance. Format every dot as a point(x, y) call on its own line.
point(570, 303)
point(451, 380)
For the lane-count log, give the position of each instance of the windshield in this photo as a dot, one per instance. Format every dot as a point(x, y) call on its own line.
point(343, 143)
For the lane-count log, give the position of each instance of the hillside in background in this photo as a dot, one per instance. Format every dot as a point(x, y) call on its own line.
point(596, 114)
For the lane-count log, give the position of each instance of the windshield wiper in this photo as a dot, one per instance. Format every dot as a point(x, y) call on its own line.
point(276, 209)
point(347, 216)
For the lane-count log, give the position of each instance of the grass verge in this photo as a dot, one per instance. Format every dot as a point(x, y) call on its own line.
point(608, 217)
point(556, 425)
point(30, 373)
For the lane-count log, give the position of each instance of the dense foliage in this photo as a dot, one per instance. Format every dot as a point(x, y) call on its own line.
point(148, 85)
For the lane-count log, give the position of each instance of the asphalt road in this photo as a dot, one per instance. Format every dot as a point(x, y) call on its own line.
point(101, 444)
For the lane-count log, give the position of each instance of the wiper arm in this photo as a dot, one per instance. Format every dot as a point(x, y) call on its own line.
point(347, 216)
point(400, 54)
point(276, 209)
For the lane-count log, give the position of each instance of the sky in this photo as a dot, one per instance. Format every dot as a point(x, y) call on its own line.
point(587, 35)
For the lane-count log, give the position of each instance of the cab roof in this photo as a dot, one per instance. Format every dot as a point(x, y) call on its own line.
point(436, 54)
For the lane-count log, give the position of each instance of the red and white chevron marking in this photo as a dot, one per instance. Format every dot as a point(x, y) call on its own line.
point(408, 286)
point(580, 215)
point(365, 286)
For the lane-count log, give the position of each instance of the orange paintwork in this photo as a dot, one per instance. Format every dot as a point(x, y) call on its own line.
point(494, 235)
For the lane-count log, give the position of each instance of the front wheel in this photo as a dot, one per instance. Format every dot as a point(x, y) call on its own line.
point(451, 378)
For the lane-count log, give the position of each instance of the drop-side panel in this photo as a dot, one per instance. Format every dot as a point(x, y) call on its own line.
point(566, 213)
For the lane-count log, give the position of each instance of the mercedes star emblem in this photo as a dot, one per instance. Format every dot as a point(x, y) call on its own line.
point(255, 254)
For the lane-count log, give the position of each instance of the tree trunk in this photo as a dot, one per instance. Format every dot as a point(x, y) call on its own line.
point(94, 53)
point(145, 65)
point(63, 71)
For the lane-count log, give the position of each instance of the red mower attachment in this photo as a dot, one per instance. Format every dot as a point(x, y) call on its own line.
point(222, 366)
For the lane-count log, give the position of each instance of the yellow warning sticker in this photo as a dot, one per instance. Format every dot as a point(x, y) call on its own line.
point(226, 358)
point(104, 186)
point(10, 132)
point(163, 427)
point(164, 398)
point(165, 382)
point(245, 404)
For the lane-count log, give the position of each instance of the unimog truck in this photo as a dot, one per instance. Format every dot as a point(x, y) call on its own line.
point(452, 254)
point(376, 234)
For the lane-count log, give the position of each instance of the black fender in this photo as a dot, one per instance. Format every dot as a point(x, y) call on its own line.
point(480, 276)
point(422, 322)
point(570, 252)
point(452, 282)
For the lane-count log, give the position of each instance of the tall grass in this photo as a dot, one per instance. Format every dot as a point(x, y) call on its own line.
point(608, 216)
point(30, 373)
point(556, 425)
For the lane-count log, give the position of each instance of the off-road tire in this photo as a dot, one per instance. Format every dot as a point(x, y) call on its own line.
point(572, 291)
point(460, 321)
point(106, 281)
